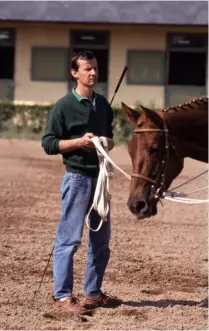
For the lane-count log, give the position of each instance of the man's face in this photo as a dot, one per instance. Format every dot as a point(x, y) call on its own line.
point(87, 73)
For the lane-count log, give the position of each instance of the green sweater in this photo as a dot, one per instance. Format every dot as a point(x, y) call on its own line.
point(71, 117)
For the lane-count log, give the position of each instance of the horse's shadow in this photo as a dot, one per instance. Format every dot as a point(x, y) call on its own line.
point(166, 303)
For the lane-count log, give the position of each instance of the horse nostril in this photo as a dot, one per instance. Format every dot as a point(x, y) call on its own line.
point(141, 206)
point(138, 206)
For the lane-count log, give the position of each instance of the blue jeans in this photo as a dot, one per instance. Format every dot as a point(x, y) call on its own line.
point(77, 195)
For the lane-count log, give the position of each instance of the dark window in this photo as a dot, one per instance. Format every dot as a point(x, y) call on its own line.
point(146, 67)
point(90, 38)
point(189, 41)
point(50, 64)
point(7, 37)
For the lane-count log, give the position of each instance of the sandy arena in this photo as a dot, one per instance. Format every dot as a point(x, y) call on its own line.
point(157, 266)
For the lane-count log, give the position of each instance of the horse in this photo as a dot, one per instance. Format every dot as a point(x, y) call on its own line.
point(160, 142)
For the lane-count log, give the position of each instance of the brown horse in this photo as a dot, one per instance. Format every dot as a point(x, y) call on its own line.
point(161, 140)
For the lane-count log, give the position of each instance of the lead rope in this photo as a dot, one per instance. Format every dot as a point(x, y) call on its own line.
point(102, 194)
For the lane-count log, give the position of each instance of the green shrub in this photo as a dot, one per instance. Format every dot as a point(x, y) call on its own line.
point(29, 122)
point(122, 128)
point(7, 111)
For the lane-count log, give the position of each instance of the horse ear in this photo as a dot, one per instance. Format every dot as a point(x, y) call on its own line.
point(153, 116)
point(132, 114)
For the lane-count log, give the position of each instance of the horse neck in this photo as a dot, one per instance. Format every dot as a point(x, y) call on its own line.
point(189, 133)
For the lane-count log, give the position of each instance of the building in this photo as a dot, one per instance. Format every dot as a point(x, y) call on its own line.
point(163, 43)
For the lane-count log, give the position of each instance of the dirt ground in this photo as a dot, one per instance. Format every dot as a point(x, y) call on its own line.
point(158, 267)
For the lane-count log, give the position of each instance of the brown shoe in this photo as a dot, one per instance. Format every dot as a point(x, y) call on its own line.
point(103, 300)
point(72, 305)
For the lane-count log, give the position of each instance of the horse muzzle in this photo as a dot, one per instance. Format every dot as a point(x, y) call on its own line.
point(142, 208)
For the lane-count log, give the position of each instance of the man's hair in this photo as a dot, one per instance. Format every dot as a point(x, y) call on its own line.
point(83, 55)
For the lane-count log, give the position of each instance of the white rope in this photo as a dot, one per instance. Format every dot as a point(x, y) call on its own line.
point(182, 197)
point(200, 189)
point(185, 200)
point(104, 153)
point(102, 194)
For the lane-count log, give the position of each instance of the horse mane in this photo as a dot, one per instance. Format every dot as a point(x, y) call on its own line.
point(195, 104)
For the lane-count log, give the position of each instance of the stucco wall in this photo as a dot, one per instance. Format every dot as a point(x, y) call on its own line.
point(25, 88)
point(122, 38)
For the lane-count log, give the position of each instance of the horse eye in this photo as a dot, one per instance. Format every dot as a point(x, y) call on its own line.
point(153, 149)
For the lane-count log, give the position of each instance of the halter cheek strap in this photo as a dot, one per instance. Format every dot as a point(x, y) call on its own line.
point(163, 168)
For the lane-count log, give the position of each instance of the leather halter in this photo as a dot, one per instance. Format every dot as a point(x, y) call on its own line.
point(164, 161)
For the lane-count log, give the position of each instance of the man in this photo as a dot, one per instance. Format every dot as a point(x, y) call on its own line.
point(72, 122)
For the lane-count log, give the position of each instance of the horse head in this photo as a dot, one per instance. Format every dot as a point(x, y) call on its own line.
point(155, 162)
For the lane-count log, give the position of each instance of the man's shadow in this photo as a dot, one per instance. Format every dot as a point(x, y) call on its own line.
point(167, 303)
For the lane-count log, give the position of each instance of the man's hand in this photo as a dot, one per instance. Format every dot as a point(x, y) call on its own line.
point(85, 141)
point(69, 145)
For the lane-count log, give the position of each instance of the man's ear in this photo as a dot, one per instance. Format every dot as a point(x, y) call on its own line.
point(153, 116)
point(74, 74)
point(131, 114)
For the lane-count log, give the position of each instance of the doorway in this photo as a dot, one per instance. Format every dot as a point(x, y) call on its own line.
point(7, 60)
point(186, 68)
point(191, 69)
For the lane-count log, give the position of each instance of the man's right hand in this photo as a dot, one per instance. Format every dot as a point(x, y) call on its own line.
point(85, 141)
point(69, 145)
